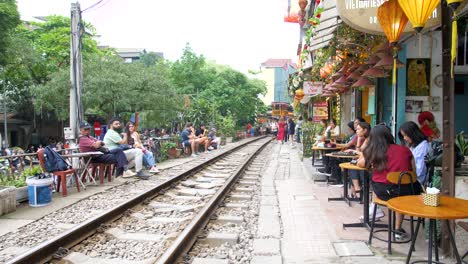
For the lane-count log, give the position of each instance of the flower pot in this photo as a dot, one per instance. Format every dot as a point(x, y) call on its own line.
point(172, 152)
point(22, 194)
point(179, 152)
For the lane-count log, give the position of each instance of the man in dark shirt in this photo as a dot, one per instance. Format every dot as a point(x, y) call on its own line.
point(188, 138)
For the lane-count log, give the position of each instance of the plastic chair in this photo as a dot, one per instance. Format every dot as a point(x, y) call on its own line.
point(62, 175)
point(396, 178)
point(103, 168)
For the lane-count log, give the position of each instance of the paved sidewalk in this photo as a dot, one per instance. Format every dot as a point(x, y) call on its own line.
point(307, 233)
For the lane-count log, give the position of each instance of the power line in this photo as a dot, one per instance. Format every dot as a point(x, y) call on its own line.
point(97, 3)
point(105, 3)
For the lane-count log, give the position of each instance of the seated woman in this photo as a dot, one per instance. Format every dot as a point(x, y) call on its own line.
point(133, 139)
point(382, 156)
point(410, 134)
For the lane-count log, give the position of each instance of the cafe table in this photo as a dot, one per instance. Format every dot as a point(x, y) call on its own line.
point(450, 208)
point(365, 192)
point(345, 196)
point(324, 149)
point(84, 160)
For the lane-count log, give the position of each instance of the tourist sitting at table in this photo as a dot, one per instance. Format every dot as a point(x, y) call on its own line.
point(382, 156)
point(332, 130)
point(134, 156)
point(87, 143)
point(410, 134)
point(134, 140)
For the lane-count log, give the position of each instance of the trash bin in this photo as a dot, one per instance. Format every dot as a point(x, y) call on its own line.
point(39, 190)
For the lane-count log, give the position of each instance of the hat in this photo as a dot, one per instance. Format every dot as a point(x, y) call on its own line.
point(85, 124)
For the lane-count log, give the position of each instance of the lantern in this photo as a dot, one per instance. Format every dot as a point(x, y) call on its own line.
point(387, 61)
point(299, 94)
point(392, 19)
point(303, 4)
point(418, 11)
point(363, 82)
point(454, 4)
point(375, 73)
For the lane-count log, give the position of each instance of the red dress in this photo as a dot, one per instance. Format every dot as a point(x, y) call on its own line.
point(281, 130)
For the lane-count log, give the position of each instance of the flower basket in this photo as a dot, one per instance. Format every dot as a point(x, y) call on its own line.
point(431, 199)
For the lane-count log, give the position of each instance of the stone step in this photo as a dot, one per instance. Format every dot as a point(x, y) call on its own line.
point(122, 235)
point(230, 219)
point(240, 197)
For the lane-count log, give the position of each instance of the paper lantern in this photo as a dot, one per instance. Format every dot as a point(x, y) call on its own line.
point(392, 19)
point(372, 60)
point(454, 4)
point(354, 76)
point(302, 4)
point(418, 11)
point(299, 94)
point(341, 80)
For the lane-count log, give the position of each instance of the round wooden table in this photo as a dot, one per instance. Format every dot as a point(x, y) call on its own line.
point(450, 208)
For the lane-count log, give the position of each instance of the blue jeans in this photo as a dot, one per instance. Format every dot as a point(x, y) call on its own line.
point(148, 159)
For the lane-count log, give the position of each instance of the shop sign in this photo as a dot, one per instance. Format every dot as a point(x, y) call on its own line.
point(362, 15)
point(320, 111)
point(312, 88)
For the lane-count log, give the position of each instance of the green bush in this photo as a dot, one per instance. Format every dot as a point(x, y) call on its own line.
point(19, 179)
point(462, 143)
point(164, 148)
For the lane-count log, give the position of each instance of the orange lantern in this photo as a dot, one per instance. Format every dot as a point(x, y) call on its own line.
point(392, 19)
point(418, 11)
point(299, 94)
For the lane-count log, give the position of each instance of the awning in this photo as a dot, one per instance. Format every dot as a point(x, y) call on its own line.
point(329, 21)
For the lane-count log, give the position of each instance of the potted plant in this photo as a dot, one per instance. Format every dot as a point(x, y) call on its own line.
point(18, 180)
point(227, 128)
point(462, 143)
point(169, 149)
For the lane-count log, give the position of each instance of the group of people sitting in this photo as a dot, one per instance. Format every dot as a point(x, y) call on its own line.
point(194, 138)
point(378, 152)
point(125, 150)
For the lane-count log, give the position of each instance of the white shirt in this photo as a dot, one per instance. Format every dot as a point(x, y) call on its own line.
point(419, 153)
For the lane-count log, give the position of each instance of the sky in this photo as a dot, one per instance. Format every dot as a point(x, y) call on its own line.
point(239, 33)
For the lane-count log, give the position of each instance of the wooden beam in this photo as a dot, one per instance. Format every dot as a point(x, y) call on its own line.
point(448, 167)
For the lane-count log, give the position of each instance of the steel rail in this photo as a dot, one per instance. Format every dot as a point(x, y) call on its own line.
point(44, 251)
point(187, 238)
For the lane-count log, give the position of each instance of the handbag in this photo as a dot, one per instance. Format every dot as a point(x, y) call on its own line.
point(103, 149)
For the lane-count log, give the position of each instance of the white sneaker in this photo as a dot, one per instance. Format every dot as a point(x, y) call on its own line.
point(154, 170)
point(210, 148)
point(128, 174)
point(207, 152)
point(379, 214)
point(194, 155)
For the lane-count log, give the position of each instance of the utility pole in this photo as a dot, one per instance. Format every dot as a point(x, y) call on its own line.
point(5, 128)
point(76, 70)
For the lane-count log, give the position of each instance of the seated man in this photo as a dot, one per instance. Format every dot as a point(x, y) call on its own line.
point(90, 144)
point(188, 139)
point(134, 156)
point(202, 137)
point(215, 141)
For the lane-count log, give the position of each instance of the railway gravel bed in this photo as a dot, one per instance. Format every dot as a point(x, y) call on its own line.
point(228, 237)
point(48, 227)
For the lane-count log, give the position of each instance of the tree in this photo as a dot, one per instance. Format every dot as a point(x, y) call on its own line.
point(9, 19)
point(52, 39)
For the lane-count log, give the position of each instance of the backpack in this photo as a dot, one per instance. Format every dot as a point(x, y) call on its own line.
point(435, 158)
point(53, 161)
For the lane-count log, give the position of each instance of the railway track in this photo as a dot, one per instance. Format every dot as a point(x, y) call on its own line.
point(159, 225)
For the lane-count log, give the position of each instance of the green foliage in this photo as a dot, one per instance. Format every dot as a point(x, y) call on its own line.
point(165, 148)
point(52, 38)
point(462, 143)
point(9, 19)
point(19, 180)
point(227, 126)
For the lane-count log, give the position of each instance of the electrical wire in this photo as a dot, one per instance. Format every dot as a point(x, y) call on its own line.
point(97, 3)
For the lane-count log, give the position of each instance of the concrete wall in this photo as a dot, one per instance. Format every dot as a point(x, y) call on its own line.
point(268, 75)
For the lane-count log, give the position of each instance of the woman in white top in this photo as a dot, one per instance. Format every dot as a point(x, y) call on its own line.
point(410, 135)
point(333, 128)
point(133, 139)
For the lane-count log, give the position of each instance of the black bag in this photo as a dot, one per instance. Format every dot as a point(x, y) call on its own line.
point(53, 161)
point(435, 158)
point(103, 149)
